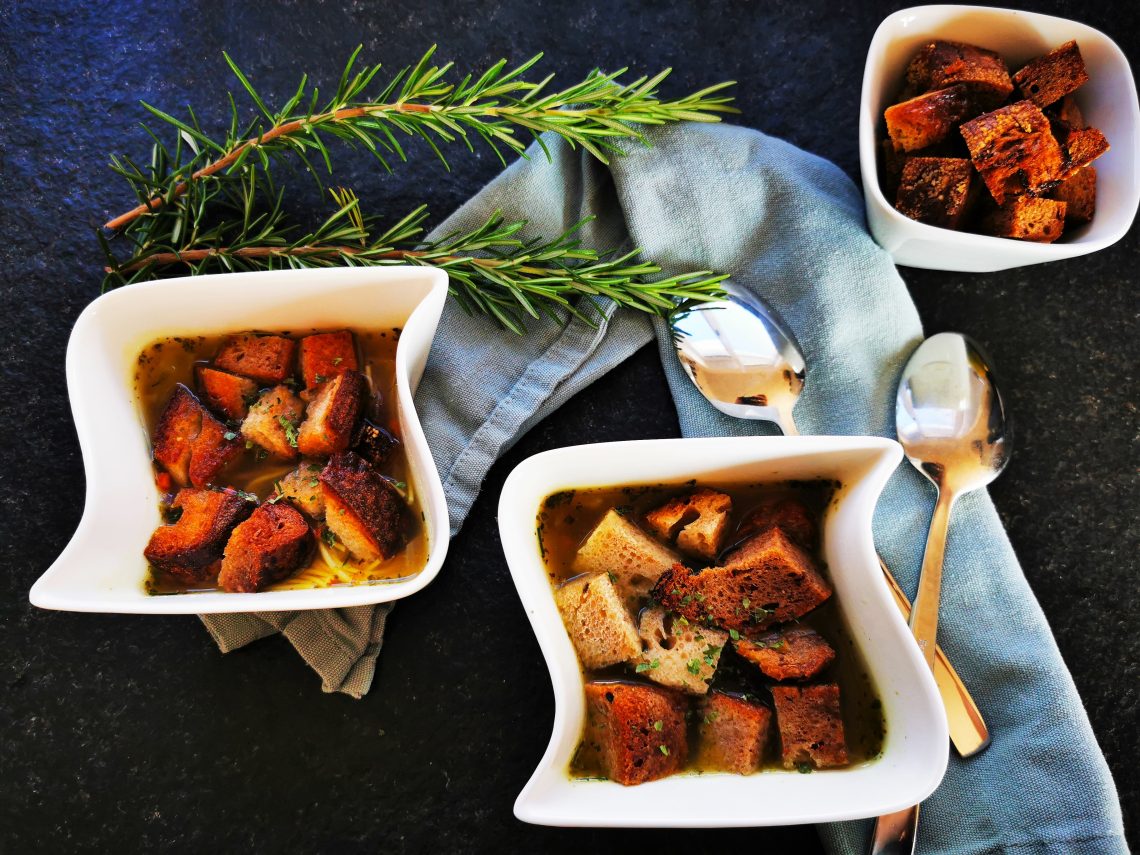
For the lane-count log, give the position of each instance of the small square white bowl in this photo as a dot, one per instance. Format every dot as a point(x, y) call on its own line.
point(102, 569)
point(915, 751)
point(1108, 102)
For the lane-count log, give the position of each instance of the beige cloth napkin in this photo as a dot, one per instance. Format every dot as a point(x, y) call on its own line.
point(339, 644)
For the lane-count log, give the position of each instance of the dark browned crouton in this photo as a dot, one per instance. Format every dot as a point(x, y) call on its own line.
point(265, 358)
point(942, 63)
point(190, 443)
point(926, 119)
point(302, 487)
point(226, 393)
point(273, 420)
point(891, 163)
point(1081, 147)
point(1069, 114)
point(190, 548)
point(272, 544)
point(332, 415)
point(936, 190)
point(362, 508)
point(1027, 218)
point(325, 355)
point(639, 731)
point(1014, 150)
point(697, 522)
point(790, 515)
point(178, 427)
point(798, 653)
point(1053, 75)
point(374, 443)
point(810, 725)
point(1079, 195)
point(765, 581)
point(733, 733)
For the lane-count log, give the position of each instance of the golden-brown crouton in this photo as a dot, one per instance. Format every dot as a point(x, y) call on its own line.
point(1014, 150)
point(273, 420)
point(936, 190)
point(810, 725)
point(332, 415)
point(1049, 77)
point(325, 355)
point(734, 733)
point(226, 393)
point(302, 487)
point(190, 443)
point(766, 580)
point(798, 653)
point(272, 544)
point(639, 731)
point(597, 621)
point(619, 547)
point(1027, 218)
point(939, 64)
point(265, 358)
point(362, 508)
point(1079, 195)
point(791, 515)
point(677, 653)
point(1081, 147)
point(190, 548)
point(926, 119)
point(697, 523)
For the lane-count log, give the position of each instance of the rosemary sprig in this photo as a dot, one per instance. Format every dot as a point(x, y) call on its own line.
point(209, 204)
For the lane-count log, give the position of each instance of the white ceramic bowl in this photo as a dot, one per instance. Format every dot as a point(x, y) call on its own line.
point(914, 754)
point(103, 569)
point(1107, 100)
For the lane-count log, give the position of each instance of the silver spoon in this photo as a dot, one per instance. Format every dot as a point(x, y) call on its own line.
point(746, 362)
point(952, 426)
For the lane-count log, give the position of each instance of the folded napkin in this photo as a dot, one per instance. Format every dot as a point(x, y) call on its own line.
point(790, 227)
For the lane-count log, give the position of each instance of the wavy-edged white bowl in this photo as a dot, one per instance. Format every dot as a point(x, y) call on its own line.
point(915, 751)
point(102, 569)
point(1108, 101)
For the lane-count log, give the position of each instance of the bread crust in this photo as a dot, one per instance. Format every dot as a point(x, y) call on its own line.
point(1014, 150)
point(323, 356)
point(623, 720)
point(225, 393)
point(191, 547)
point(332, 415)
point(271, 545)
point(362, 508)
point(810, 725)
point(794, 653)
point(734, 733)
point(267, 359)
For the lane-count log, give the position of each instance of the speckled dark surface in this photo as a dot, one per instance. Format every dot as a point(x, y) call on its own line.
point(135, 733)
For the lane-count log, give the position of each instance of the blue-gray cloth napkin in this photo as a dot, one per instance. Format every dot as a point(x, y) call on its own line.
point(790, 227)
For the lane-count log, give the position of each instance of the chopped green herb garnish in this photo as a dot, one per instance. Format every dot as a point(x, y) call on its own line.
point(803, 768)
point(711, 717)
point(694, 666)
point(328, 537)
point(664, 749)
point(642, 667)
point(229, 435)
point(658, 725)
point(734, 635)
point(290, 430)
point(613, 577)
point(338, 360)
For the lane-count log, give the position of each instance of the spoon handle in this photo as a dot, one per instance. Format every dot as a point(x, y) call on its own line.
point(895, 833)
point(924, 616)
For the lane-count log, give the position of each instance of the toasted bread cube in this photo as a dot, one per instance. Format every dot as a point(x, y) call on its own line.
point(597, 621)
point(798, 653)
point(302, 487)
point(226, 393)
point(1068, 113)
point(362, 508)
point(639, 730)
point(1050, 77)
point(926, 119)
point(939, 64)
point(271, 545)
point(936, 190)
point(1079, 195)
point(791, 515)
point(697, 523)
point(766, 580)
point(273, 420)
point(891, 163)
point(190, 443)
point(1082, 146)
point(1027, 218)
point(810, 725)
point(618, 546)
point(677, 653)
point(178, 427)
point(1014, 150)
point(734, 733)
point(374, 443)
point(325, 355)
point(190, 548)
point(264, 358)
point(332, 415)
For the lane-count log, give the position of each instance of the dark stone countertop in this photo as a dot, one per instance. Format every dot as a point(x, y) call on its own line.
point(135, 733)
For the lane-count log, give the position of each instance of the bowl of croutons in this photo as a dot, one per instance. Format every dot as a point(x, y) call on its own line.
point(995, 138)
